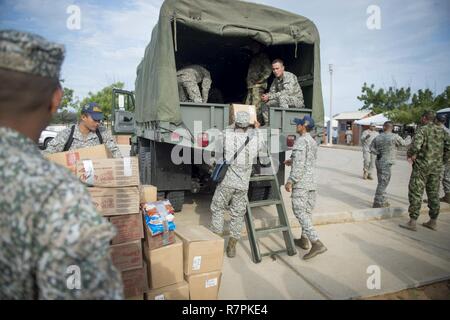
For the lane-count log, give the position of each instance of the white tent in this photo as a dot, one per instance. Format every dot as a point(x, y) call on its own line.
point(378, 120)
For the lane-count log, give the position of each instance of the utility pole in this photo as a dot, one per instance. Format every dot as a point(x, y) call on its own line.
point(330, 126)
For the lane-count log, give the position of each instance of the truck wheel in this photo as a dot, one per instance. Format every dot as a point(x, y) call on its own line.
point(176, 198)
point(46, 142)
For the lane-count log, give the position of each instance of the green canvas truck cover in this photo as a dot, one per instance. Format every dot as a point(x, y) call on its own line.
point(156, 83)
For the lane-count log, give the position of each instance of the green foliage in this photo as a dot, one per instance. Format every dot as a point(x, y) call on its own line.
point(103, 98)
point(399, 105)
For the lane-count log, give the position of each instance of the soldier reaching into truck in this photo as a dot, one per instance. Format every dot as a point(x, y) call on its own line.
point(189, 79)
point(285, 91)
point(233, 188)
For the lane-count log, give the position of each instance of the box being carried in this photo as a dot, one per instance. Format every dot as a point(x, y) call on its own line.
point(69, 159)
point(122, 172)
point(202, 249)
point(235, 108)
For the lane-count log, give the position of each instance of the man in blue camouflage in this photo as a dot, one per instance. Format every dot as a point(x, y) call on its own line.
point(384, 148)
point(302, 183)
point(54, 244)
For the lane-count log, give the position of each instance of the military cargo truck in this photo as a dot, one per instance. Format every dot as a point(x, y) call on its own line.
point(213, 34)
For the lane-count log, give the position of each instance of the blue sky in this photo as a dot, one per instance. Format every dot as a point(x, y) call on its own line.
point(412, 47)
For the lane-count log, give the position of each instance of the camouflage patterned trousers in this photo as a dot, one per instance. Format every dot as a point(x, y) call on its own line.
point(233, 199)
point(188, 90)
point(419, 181)
point(446, 178)
point(281, 102)
point(303, 202)
point(384, 176)
point(369, 161)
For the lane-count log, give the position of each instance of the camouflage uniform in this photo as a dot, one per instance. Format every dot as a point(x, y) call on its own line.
point(188, 83)
point(384, 148)
point(259, 71)
point(431, 146)
point(48, 224)
point(303, 179)
point(285, 92)
point(369, 159)
point(445, 176)
point(79, 141)
point(234, 186)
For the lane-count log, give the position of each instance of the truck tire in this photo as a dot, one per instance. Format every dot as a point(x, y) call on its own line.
point(46, 142)
point(176, 198)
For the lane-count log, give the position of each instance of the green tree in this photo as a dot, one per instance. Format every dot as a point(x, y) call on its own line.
point(103, 98)
point(399, 105)
point(67, 112)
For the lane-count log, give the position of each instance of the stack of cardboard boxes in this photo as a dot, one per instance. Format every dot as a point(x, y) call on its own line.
point(203, 259)
point(172, 265)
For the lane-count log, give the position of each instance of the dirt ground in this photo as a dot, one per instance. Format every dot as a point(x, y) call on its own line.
point(435, 291)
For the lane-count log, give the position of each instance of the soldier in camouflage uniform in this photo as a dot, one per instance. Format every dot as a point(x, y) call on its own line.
point(285, 92)
point(384, 147)
point(369, 159)
point(189, 79)
point(54, 244)
point(445, 176)
point(86, 133)
point(259, 71)
point(428, 153)
point(302, 183)
point(232, 191)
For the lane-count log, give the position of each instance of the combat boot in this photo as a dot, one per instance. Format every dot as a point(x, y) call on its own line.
point(316, 248)
point(445, 198)
point(365, 175)
point(377, 205)
point(431, 224)
point(303, 242)
point(410, 225)
point(231, 247)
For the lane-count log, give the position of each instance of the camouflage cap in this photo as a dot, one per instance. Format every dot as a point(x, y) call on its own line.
point(30, 53)
point(242, 119)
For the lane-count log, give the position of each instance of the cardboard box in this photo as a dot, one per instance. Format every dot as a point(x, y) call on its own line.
point(123, 139)
point(165, 265)
point(204, 286)
point(127, 256)
point(115, 201)
point(129, 228)
point(158, 241)
point(135, 283)
point(202, 249)
point(235, 108)
point(178, 291)
point(69, 159)
point(123, 172)
point(148, 193)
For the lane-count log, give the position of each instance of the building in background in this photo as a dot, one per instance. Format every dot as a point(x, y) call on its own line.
point(348, 128)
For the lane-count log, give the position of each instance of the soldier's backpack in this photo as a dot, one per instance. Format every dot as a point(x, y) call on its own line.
point(70, 139)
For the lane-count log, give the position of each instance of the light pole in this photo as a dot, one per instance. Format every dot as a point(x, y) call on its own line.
point(330, 126)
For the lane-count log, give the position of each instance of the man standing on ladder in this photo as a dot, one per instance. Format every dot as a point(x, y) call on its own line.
point(302, 183)
point(232, 190)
